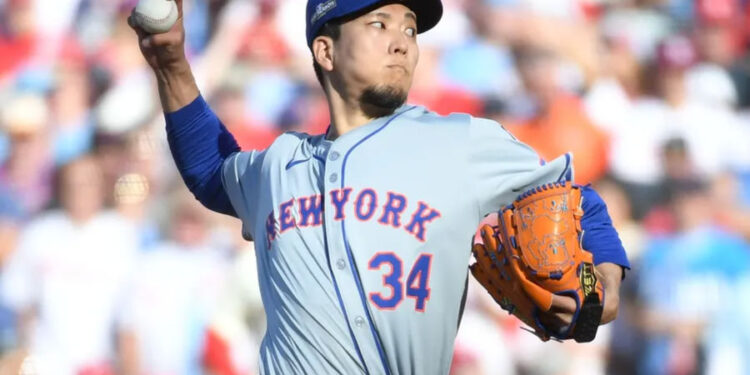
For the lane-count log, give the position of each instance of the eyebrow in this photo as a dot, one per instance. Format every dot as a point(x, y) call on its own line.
point(388, 16)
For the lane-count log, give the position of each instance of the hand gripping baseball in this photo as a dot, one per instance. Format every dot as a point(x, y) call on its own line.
point(531, 258)
point(165, 53)
point(165, 50)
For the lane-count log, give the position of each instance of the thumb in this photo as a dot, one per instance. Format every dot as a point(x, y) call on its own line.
point(563, 304)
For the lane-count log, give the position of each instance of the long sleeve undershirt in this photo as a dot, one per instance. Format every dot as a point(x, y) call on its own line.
point(200, 143)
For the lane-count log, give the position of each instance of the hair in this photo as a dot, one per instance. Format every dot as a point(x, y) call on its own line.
point(331, 29)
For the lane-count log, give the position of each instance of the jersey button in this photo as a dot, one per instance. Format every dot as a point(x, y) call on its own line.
point(359, 321)
point(334, 177)
point(334, 156)
point(340, 264)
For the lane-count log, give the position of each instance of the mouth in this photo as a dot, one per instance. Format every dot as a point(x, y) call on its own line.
point(398, 67)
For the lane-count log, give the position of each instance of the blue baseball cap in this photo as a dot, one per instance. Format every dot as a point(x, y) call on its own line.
point(319, 12)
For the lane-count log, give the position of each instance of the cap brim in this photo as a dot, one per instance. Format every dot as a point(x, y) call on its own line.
point(429, 12)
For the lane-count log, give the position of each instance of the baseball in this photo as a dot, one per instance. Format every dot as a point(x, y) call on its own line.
point(155, 16)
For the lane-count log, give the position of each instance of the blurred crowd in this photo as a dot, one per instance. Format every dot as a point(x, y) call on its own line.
point(109, 266)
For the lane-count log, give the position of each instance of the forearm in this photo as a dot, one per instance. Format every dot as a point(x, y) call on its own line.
point(177, 87)
point(610, 275)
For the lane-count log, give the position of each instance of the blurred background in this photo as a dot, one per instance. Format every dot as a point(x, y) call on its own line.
point(108, 265)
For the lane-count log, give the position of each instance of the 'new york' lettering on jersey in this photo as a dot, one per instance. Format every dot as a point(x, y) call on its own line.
point(363, 248)
point(309, 210)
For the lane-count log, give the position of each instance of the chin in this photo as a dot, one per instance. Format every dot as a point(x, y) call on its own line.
point(399, 82)
point(382, 100)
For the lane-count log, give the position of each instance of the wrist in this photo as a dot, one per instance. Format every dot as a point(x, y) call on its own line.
point(177, 87)
point(175, 71)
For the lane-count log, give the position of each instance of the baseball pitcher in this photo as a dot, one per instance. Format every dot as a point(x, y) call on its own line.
point(363, 234)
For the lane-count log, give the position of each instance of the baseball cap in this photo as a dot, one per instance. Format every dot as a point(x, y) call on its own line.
point(319, 12)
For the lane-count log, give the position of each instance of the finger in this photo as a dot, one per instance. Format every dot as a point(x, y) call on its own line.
point(179, 8)
point(163, 39)
point(147, 41)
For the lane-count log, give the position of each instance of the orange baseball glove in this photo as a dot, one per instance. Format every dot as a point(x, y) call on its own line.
point(530, 251)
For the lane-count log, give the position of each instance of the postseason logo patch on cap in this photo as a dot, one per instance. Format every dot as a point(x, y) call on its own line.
point(322, 9)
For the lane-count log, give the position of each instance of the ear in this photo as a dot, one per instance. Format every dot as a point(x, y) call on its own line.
point(322, 48)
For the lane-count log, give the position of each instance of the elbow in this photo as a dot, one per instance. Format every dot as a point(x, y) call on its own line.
point(211, 194)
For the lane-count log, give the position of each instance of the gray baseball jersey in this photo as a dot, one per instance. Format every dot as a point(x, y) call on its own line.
point(363, 242)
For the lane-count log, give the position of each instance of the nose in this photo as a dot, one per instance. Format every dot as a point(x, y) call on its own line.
point(399, 44)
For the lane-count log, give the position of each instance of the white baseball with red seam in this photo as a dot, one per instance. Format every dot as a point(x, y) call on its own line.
point(155, 16)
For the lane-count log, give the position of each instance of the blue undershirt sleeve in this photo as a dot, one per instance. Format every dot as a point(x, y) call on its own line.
point(599, 235)
point(200, 143)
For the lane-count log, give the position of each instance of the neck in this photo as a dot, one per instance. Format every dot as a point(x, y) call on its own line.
point(346, 114)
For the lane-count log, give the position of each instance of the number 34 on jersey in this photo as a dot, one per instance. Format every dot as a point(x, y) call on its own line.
point(417, 286)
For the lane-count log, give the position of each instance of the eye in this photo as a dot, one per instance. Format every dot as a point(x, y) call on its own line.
point(378, 24)
point(412, 32)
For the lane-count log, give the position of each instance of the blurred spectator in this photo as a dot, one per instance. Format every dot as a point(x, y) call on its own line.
point(626, 338)
point(229, 105)
point(239, 321)
point(486, 336)
point(465, 362)
point(711, 134)
point(610, 98)
point(65, 278)
point(480, 67)
point(678, 168)
point(709, 81)
point(557, 122)
point(70, 101)
point(133, 178)
point(687, 284)
point(10, 228)
point(639, 23)
point(712, 147)
point(731, 212)
point(631, 231)
point(132, 198)
point(172, 295)
point(441, 96)
point(26, 176)
point(18, 35)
